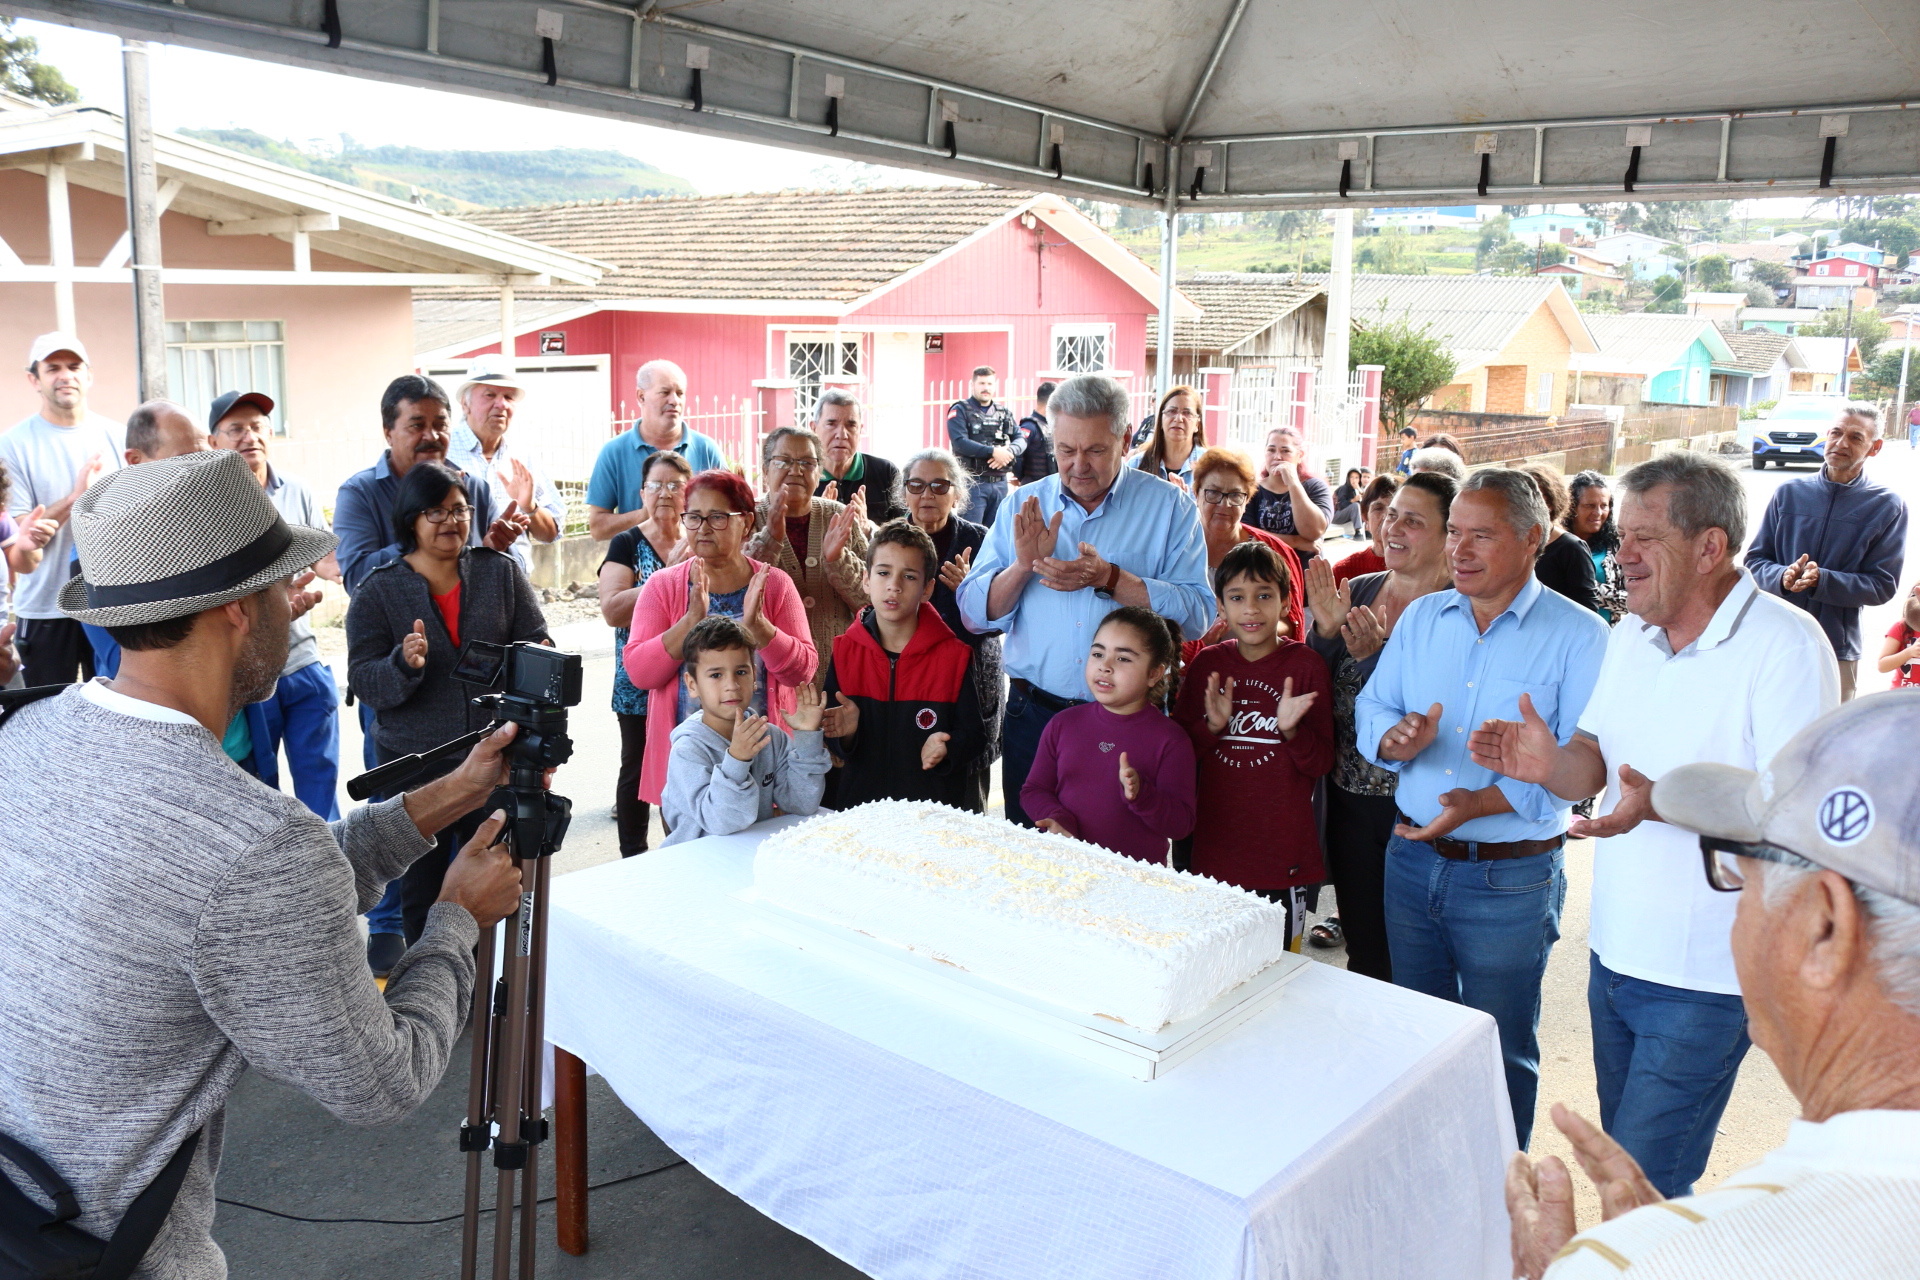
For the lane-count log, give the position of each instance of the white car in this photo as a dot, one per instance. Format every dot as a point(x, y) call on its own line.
point(1796, 429)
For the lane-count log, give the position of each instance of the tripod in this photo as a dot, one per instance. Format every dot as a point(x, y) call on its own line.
point(508, 1021)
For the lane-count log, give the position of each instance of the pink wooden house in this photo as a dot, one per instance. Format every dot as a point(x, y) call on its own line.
point(764, 300)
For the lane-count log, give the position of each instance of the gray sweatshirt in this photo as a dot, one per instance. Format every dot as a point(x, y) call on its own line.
point(171, 921)
point(709, 793)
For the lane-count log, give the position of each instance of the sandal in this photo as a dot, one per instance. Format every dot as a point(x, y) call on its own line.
point(1326, 934)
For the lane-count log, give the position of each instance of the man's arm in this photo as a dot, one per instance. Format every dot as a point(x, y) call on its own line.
point(364, 544)
point(547, 514)
point(1766, 559)
point(992, 589)
point(1180, 589)
point(605, 516)
point(1383, 699)
point(1877, 579)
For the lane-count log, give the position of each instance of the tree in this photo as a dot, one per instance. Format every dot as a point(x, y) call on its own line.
point(22, 72)
point(1869, 330)
point(1714, 273)
point(1773, 274)
point(1669, 295)
point(1417, 363)
point(1495, 233)
point(1881, 378)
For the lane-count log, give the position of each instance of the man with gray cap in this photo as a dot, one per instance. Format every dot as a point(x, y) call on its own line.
point(172, 920)
point(1823, 848)
point(488, 400)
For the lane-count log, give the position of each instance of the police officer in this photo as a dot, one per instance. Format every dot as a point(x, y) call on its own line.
point(1037, 462)
point(987, 440)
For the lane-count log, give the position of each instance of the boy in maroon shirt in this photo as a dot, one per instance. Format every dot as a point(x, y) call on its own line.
point(1259, 708)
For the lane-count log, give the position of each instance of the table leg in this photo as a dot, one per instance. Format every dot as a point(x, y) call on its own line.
point(570, 1152)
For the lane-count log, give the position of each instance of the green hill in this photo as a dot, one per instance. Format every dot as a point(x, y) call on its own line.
point(454, 181)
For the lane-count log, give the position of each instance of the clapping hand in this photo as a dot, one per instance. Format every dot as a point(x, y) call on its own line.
point(35, 530)
point(749, 737)
point(1129, 780)
point(1033, 536)
point(89, 473)
point(300, 601)
point(1365, 631)
point(934, 749)
point(752, 618)
point(842, 721)
point(504, 532)
point(1219, 702)
point(1292, 707)
point(1540, 1193)
point(697, 594)
point(518, 482)
point(840, 528)
point(1411, 735)
point(1328, 599)
point(9, 658)
point(1634, 807)
point(1524, 750)
point(1085, 570)
point(1455, 808)
point(413, 646)
point(954, 571)
point(808, 707)
point(1802, 575)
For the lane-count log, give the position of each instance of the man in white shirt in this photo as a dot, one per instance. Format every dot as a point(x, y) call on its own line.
point(54, 455)
point(1707, 667)
point(487, 402)
point(1823, 849)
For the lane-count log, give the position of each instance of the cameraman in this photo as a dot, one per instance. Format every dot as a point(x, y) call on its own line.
point(173, 919)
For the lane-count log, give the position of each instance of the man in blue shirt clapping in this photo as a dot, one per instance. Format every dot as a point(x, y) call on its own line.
point(1475, 878)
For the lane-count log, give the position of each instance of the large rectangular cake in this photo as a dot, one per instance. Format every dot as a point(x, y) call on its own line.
point(1049, 916)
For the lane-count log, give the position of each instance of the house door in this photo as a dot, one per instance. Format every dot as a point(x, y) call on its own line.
point(899, 377)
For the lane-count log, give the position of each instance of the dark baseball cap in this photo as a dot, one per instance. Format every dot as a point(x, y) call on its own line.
point(223, 405)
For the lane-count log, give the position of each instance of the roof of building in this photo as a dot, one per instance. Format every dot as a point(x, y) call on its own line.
point(1477, 316)
point(1575, 269)
point(1756, 351)
point(1637, 235)
point(1823, 354)
point(1790, 315)
point(1716, 299)
point(1647, 344)
point(1234, 306)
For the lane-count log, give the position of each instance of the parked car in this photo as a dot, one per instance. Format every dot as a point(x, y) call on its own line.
point(1796, 430)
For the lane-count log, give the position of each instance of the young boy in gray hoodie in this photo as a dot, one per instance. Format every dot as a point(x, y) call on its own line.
point(729, 767)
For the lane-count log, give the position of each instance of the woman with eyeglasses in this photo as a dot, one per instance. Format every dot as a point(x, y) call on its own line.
point(717, 578)
point(1179, 437)
point(1223, 483)
point(817, 542)
point(933, 489)
point(405, 627)
point(656, 542)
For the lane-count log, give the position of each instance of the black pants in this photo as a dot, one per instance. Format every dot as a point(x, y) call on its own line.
point(420, 887)
point(52, 650)
point(1358, 828)
point(630, 812)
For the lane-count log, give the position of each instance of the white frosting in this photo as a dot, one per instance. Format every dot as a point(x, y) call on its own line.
point(1056, 918)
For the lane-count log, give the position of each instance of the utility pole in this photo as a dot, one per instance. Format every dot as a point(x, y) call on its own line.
point(143, 228)
point(1906, 358)
point(1846, 348)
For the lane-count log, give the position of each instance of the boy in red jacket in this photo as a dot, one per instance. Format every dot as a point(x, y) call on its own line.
point(902, 710)
point(1259, 708)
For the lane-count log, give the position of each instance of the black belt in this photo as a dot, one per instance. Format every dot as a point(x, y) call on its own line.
point(1488, 850)
point(1035, 693)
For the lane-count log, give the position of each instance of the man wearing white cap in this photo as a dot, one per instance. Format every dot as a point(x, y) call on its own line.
point(487, 401)
point(1823, 848)
point(54, 455)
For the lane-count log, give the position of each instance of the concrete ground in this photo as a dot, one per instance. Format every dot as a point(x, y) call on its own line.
point(662, 1219)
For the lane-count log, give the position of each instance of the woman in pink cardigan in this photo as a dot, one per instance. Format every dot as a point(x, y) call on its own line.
point(718, 579)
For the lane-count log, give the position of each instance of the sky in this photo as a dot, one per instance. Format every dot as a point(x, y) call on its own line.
point(193, 89)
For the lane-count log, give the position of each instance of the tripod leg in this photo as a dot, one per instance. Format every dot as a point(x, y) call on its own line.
point(511, 1149)
point(535, 1062)
point(477, 1112)
point(570, 1151)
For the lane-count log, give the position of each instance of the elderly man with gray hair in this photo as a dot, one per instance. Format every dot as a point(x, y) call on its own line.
point(1822, 847)
point(1475, 869)
point(613, 491)
point(1095, 535)
point(837, 420)
point(1706, 667)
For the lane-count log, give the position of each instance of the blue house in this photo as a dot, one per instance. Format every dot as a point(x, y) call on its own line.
point(1535, 227)
point(1673, 358)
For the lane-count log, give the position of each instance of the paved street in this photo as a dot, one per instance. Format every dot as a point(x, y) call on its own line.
point(284, 1153)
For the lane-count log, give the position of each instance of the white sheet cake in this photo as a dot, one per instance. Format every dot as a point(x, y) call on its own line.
point(1056, 918)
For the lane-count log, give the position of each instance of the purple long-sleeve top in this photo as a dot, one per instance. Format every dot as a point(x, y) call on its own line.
point(1075, 779)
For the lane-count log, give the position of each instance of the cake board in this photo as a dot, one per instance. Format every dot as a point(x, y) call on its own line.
point(1143, 1055)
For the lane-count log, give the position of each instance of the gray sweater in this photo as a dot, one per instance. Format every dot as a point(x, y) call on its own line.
point(415, 710)
point(171, 920)
point(709, 793)
point(1855, 532)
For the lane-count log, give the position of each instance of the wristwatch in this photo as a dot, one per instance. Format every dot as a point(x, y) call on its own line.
point(1113, 580)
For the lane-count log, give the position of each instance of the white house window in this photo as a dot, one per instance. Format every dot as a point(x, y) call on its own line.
point(1545, 402)
point(208, 357)
point(1082, 348)
point(814, 357)
point(1819, 271)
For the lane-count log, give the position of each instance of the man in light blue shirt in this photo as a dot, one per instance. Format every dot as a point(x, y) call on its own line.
point(488, 399)
point(613, 492)
point(1094, 536)
point(1474, 876)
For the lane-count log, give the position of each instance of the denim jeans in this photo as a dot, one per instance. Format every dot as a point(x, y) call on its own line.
point(986, 498)
point(1019, 742)
point(1665, 1059)
point(1478, 933)
point(386, 914)
point(304, 715)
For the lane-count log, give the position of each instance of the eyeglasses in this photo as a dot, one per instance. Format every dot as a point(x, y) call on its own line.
point(1178, 413)
point(793, 464)
point(711, 520)
point(1218, 497)
point(1722, 858)
point(929, 486)
point(440, 515)
point(664, 486)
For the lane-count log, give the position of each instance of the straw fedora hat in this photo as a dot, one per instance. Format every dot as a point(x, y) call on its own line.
point(166, 539)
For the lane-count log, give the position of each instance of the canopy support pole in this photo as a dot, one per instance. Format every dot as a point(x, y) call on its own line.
point(1213, 64)
point(1169, 263)
point(1334, 347)
point(143, 228)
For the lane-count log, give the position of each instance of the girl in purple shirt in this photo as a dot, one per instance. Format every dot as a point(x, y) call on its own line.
point(1115, 771)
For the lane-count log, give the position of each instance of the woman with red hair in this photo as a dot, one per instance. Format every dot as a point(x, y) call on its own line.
point(718, 579)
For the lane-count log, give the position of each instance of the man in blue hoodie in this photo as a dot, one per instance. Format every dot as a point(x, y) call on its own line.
point(1835, 542)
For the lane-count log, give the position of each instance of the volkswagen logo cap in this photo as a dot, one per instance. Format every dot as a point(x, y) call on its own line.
point(1844, 793)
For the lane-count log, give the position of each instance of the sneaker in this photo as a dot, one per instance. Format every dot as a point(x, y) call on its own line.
point(384, 951)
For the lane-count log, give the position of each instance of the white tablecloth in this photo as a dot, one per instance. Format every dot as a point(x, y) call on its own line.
point(1352, 1130)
